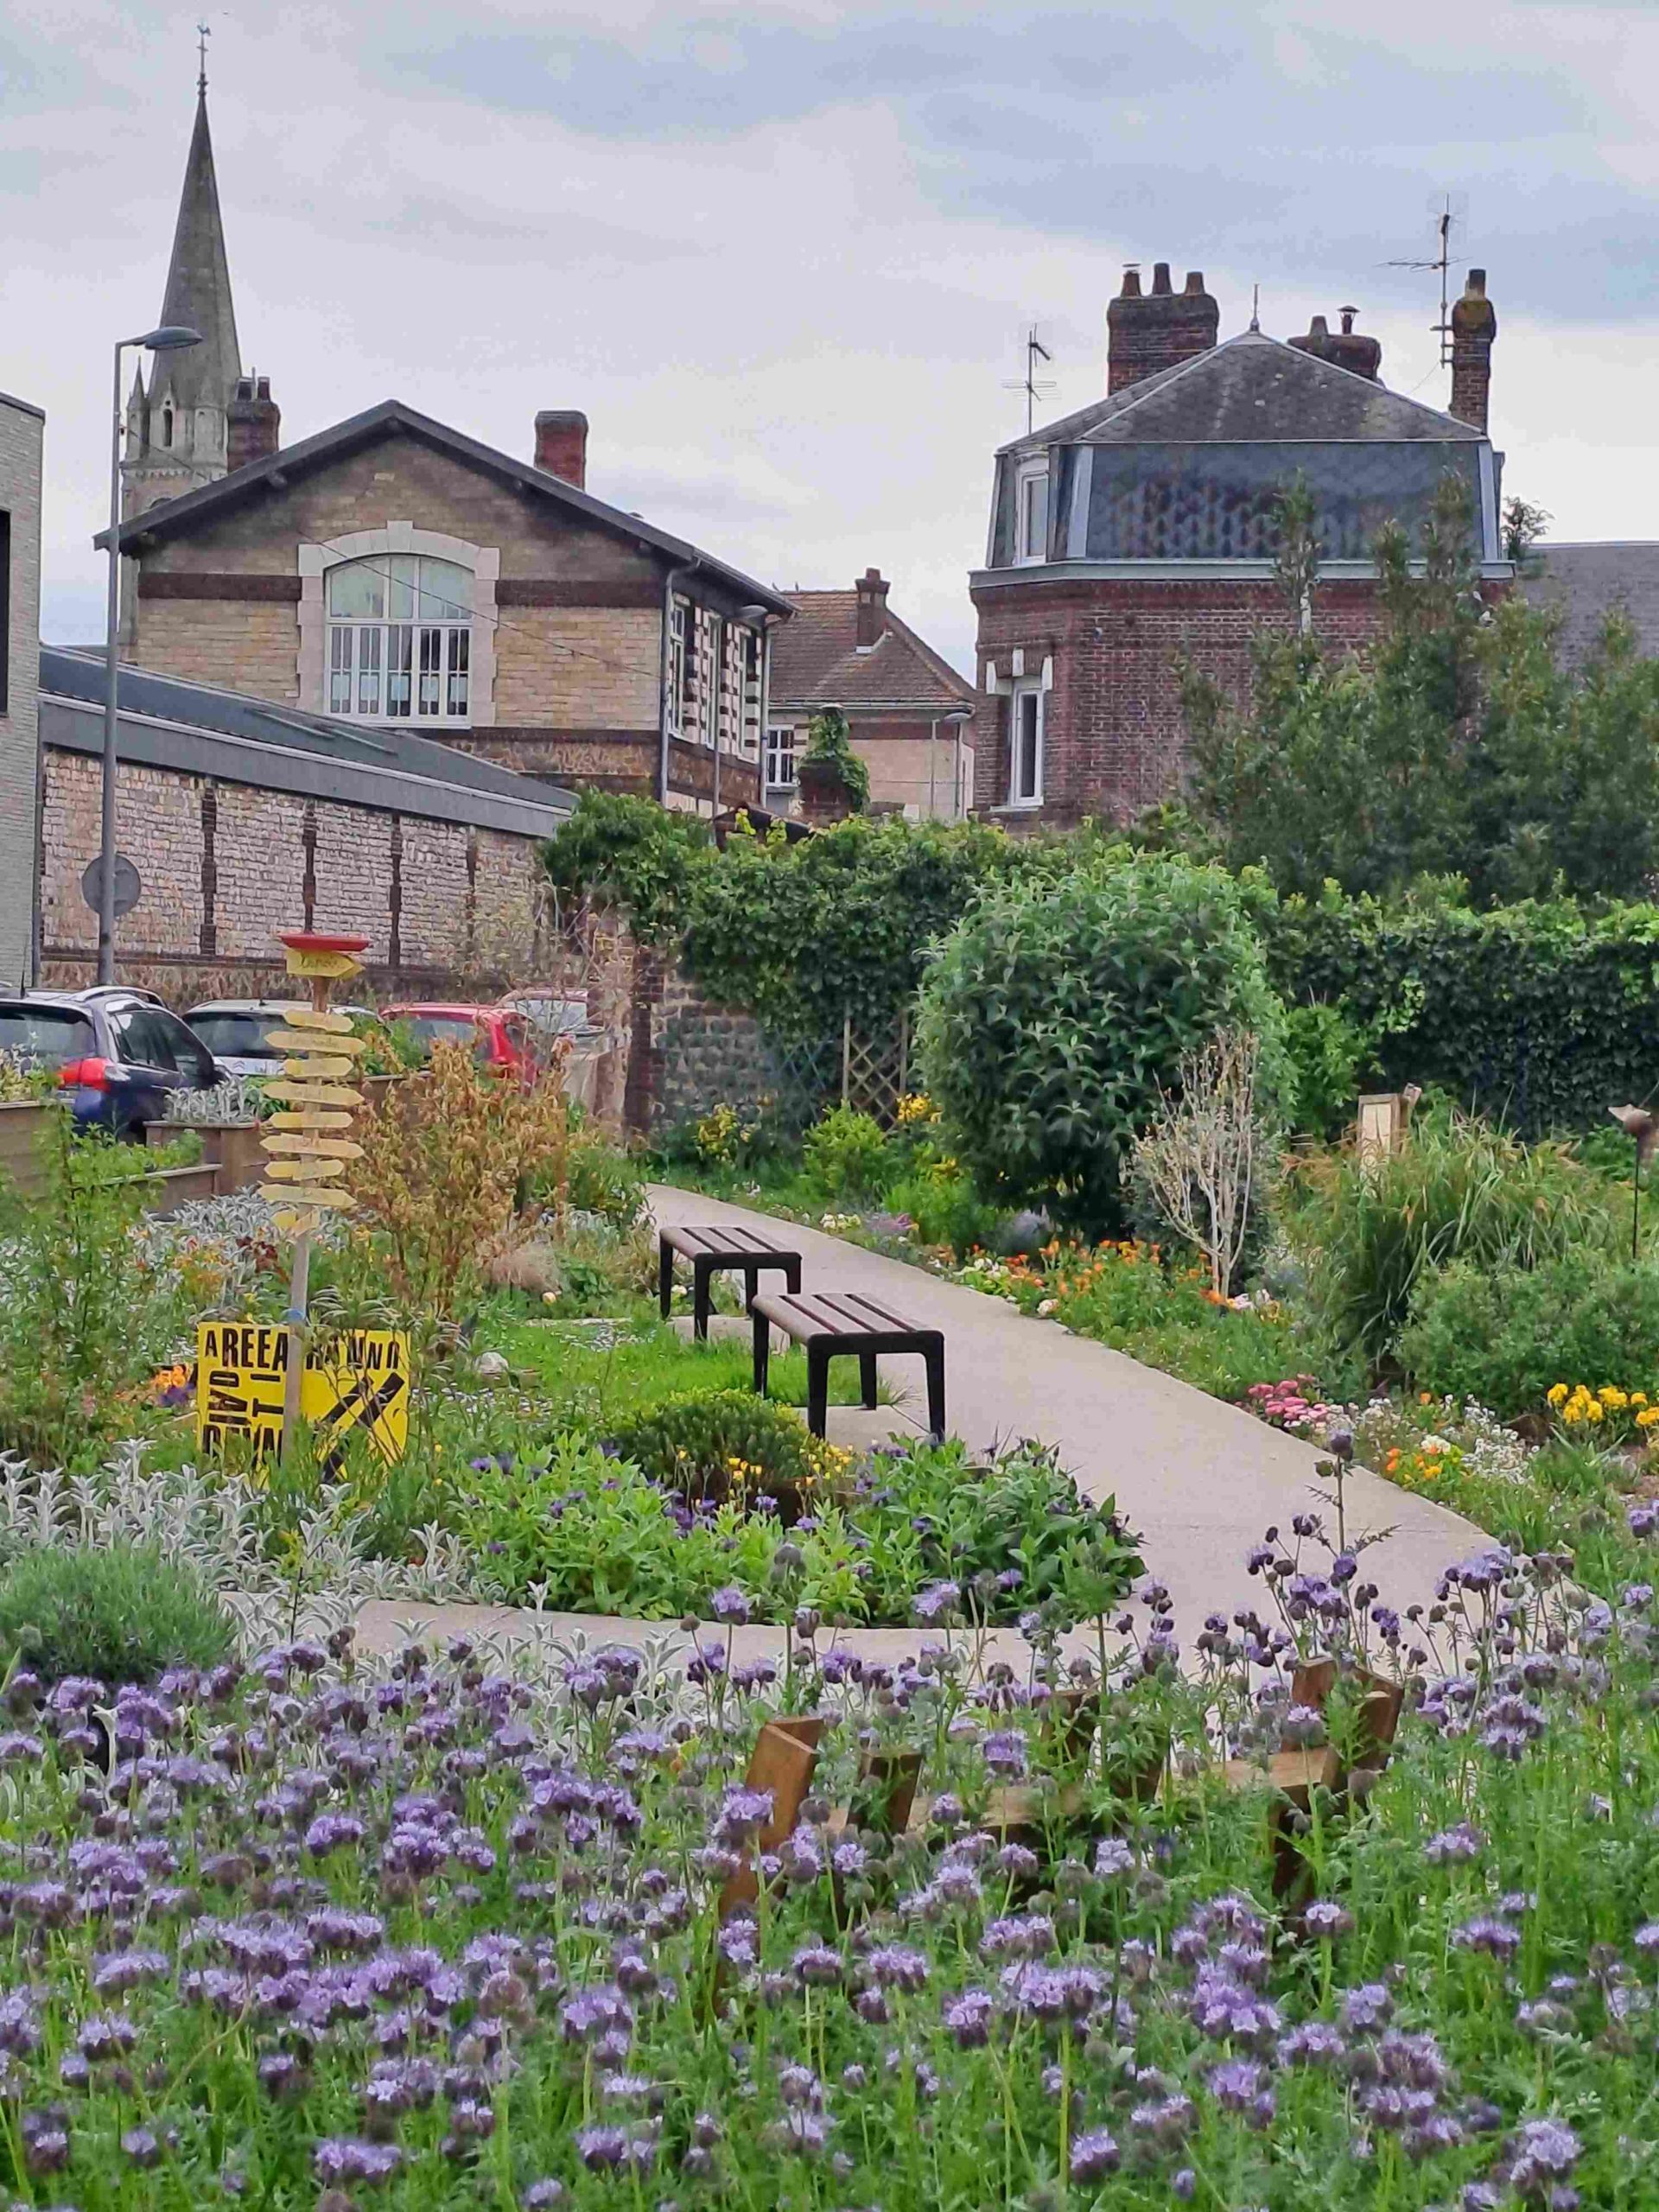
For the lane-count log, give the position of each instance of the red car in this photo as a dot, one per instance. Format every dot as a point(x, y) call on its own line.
point(502, 1040)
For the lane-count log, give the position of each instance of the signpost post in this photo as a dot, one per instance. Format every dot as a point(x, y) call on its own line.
point(308, 1145)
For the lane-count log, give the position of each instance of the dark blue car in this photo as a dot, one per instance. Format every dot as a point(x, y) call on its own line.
point(117, 1052)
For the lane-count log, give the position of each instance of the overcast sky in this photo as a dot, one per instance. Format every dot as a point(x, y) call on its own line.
point(783, 256)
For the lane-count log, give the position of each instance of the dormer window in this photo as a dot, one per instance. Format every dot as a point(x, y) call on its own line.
point(1031, 512)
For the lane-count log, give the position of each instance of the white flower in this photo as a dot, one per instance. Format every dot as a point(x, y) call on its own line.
point(1047, 1305)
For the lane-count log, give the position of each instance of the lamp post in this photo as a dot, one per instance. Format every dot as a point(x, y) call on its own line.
point(171, 338)
point(1641, 1127)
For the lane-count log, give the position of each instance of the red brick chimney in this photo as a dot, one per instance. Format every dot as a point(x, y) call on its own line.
point(872, 589)
point(1349, 348)
point(1474, 325)
point(253, 422)
point(562, 444)
point(1149, 332)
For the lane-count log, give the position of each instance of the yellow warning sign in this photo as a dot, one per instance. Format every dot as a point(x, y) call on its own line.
point(357, 1384)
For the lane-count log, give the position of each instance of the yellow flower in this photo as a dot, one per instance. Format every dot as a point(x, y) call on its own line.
point(1648, 1417)
point(1557, 1393)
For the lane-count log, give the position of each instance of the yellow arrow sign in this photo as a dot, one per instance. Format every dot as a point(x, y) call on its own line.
point(314, 1147)
point(310, 1119)
point(299, 1040)
point(283, 1194)
point(312, 1017)
point(317, 1067)
point(304, 1171)
point(322, 963)
point(314, 1094)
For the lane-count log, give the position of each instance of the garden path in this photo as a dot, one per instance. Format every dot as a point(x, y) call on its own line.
point(1201, 1480)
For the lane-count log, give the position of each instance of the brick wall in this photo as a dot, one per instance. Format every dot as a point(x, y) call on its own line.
point(224, 866)
point(20, 431)
point(1114, 734)
point(914, 763)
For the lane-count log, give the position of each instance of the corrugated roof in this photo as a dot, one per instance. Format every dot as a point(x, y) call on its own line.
point(815, 662)
point(1252, 387)
point(391, 418)
point(1584, 583)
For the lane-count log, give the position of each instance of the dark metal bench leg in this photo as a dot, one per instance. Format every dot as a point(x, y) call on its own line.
point(934, 1356)
point(792, 1275)
point(701, 1278)
point(818, 1388)
point(762, 1329)
point(867, 1376)
point(665, 1274)
point(751, 1284)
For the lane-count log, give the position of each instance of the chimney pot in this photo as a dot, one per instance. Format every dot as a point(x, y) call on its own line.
point(1347, 314)
point(1159, 330)
point(562, 444)
point(1160, 278)
point(1194, 281)
point(1131, 282)
point(872, 589)
point(253, 424)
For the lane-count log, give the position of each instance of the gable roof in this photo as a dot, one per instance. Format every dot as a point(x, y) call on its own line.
point(1584, 584)
point(395, 416)
point(165, 721)
point(815, 662)
point(1252, 390)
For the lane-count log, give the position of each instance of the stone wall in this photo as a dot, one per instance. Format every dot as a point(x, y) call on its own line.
point(21, 428)
point(224, 866)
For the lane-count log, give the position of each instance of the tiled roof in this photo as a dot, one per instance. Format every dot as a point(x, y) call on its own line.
point(815, 662)
point(1584, 583)
point(1252, 388)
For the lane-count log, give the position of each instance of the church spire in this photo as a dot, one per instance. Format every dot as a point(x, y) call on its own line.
point(197, 291)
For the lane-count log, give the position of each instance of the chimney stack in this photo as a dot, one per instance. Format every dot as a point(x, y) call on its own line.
point(1348, 348)
point(253, 422)
point(1474, 325)
point(872, 589)
point(1145, 333)
point(562, 444)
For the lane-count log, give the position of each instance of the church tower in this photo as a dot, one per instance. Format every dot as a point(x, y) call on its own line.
point(179, 431)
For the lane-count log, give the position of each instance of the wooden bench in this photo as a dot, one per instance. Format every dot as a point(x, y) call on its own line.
point(720, 1250)
point(834, 1324)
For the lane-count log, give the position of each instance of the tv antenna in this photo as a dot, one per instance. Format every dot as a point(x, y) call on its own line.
point(1450, 211)
point(1031, 384)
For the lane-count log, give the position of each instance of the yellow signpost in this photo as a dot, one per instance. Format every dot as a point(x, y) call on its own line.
point(355, 1385)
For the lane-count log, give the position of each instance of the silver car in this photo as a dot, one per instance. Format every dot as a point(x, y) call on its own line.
point(234, 1032)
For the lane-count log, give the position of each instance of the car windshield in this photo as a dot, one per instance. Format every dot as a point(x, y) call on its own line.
point(50, 1034)
point(554, 1017)
point(236, 1036)
point(430, 1029)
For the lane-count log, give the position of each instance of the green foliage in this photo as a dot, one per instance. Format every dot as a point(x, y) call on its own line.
point(945, 1208)
point(1328, 1052)
point(1540, 1016)
point(120, 1614)
point(713, 1444)
point(1060, 1007)
point(1459, 746)
point(830, 743)
point(1161, 1315)
point(1504, 1335)
point(630, 854)
point(601, 1178)
point(847, 1155)
point(78, 1317)
point(1456, 1189)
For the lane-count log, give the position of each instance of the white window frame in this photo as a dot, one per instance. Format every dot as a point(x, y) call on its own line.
point(751, 667)
point(1026, 688)
point(314, 561)
point(432, 654)
point(783, 740)
point(678, 625)
point(1030, 474)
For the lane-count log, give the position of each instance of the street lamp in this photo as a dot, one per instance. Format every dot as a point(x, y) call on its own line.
point(1643, 1127)
point(171, 338)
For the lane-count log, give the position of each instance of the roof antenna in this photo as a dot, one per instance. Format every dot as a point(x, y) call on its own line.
point(1451, 210)
point(203, 34)
point(1256, 308)
point(1031, 384)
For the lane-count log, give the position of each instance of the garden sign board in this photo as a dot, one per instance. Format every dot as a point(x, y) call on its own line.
point(355, 1384)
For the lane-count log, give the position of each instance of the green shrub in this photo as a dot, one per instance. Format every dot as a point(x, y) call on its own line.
point(1455, 1190)
point(1059, 1009)
point(716, 1444)
point(846, 1155)
point(1506, 1334)
point(1162, 1316)
point(1327, 1052)
point(120, 1614)
point(946, 1209)
point(601, 1178)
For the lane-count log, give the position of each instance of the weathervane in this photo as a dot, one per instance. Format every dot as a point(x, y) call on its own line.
point(203, 32)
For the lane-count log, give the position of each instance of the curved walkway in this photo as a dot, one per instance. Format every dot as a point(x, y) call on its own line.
point(1200, 1480)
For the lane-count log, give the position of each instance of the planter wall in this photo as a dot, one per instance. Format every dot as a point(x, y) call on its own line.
point(231, 1146)
point(22, 1127)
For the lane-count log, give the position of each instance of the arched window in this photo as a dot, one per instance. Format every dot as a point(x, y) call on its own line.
point(166, 423)
point(400, 637)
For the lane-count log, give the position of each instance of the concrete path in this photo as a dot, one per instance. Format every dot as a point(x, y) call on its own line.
point(1200, 1480)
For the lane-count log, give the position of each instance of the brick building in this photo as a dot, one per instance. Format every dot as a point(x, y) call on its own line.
point(243, 819)
point(394, 572)
point(908, 711)
point(22, 428)
point(1142, 531)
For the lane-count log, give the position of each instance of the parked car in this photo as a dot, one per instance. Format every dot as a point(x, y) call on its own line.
point(117, 1052)
point(551, 1014)
point(502, 1038)
point(234, 1031)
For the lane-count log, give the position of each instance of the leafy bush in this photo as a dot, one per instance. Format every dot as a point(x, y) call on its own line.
point(847, 1154)
point(1327, 1050)
point(600, 1178)
point(1058, 1010)
point(632, 855)
point(119, 1614)
point(945, 1208)
point(1455, 1190)
point(830, 743)
point(719, 1444)
point(1507, 1334)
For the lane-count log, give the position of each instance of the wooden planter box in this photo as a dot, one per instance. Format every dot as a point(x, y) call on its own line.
point(231, 1146)
point(23, 1125)
point(169, 1188)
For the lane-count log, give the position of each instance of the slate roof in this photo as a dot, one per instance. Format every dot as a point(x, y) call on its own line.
point(1585, 583)
point(391, 418)
point(284, 748)
point(1252, 389)
point(815, 662)
point(199, 288)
